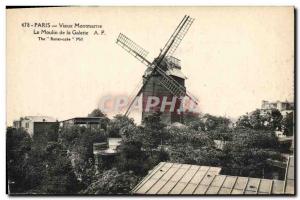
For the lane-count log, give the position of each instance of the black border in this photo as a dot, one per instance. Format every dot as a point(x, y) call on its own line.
point(191, 195)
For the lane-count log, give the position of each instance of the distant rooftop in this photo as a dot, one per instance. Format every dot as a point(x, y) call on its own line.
point(184, 179)
point(40, 118)
point(83, 118)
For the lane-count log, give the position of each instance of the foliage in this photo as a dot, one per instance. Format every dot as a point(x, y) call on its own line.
point(270, 120)
point(153, 132)
point(188, 136)
point(132, 158)
point(117, 123)
point(288, 124)
point(112, 182)
point(18, 145)
point(98, 113)
point(187, 154)
point(248, 152)
point(57, 176)
point(79, 141)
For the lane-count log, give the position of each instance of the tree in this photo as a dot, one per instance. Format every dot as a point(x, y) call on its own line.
point(273, 120)
point(112, 182)
point(189, 136)
point(116, 125)
point(18, 145)
point(97, 113)
point(58, 175)
point(248, 152)
point(79, 143)
point(213, 122)
point(185, 153)
point(153, 132)
point(244, 122)
point(288, 124)
point(270, 120)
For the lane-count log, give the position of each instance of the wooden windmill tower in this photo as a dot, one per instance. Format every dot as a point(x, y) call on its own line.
point(163, 76)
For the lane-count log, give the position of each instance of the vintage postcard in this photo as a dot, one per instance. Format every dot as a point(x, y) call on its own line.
point(150, 100)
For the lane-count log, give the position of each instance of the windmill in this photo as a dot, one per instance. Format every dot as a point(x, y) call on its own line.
point(163, 76)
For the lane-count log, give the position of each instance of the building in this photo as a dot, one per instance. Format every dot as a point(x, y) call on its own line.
point(284, 107)
point(155, 87)
point(34, 124)
point(183, 179)
point(90, 122)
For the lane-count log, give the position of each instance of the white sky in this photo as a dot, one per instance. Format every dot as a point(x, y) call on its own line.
point(233, 58)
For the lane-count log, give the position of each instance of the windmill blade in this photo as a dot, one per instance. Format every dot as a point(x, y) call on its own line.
point(177, 36)
point(174, 87)
point(169, 83)
point(134, 49)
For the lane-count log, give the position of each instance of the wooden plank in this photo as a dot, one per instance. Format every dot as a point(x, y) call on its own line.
point(277, 187)
point(289, 187)
point(291, 161)
point(198, 176)
point(189, 189)
point(178, 188)
point(215, 169)
point(178, 175)
point(146, 186)
point(218, 180)
point(204, 168)
point(170, 173)
point(249, 192)
point(201, 189)
point(151, 173)
point(188, 175)
point(290, 172)
point(207, 179)
point(236, 191)
point(253, 184)
point(229, 182)
point(225, 191)
point(265, 186)
point(213, 190)
point(156, 187)
point(167, 187)
point(159, 173)
point(241, 183)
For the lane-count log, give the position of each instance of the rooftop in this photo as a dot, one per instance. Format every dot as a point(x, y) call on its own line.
point(174, 179)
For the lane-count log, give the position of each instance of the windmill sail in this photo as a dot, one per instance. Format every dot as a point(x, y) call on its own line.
point(177, 36)
point(133, 48)
point(172, 44)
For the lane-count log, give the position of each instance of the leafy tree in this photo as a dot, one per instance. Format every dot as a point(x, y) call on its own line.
point(132, 158)
point(153, 132)
point(273, 119)
point(188, 136)
point(258, 121)
point(288, 124)
point(212, 122)
point(244, 122)
point(112, 182)
point(117, 123)
point(185, 153)
point(18, 145)
point(96, 113)
point(248, 152)
point(79, 142)
point(58, 175)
